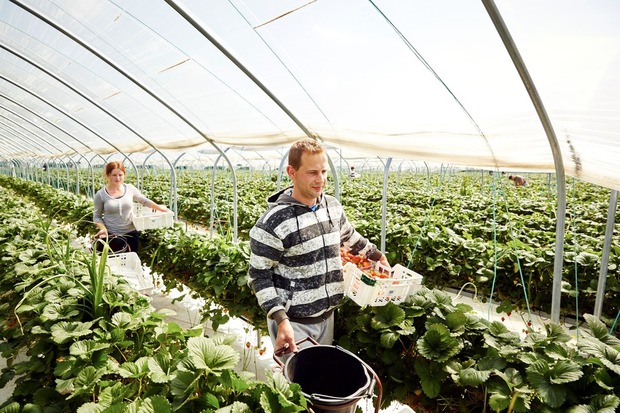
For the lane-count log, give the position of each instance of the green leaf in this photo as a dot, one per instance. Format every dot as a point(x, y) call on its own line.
point(11, 408)
point(134, 370)
point(600, 403)
point(565, 371)
point(205, 354)
point(155, 404)
point(599, 330)
point(236, 407)
point(473, 377)
point(499, 402)
point(121, 320)
point(387, 316)
point(93, 408)
point(160, 368)
point(181, 385)
point(542, 380)
point(456, 321)
point(607, 355)
point(431, 375)
point(116, 394)
point(388, 339)
point(60, 311)
point(64, 331)
point(86, 381)
point(492, 363)
point(437, 344)
point(556, 333)
point(83, 349)
point(211, 400)
point(512, 377)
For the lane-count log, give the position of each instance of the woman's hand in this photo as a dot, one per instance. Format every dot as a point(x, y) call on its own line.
point(160, 208)
point(103, 233)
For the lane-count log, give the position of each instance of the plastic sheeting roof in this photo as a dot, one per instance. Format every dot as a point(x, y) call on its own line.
point(425, 80)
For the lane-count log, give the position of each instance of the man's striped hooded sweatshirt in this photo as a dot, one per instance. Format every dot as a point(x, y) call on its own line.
point(295, 267)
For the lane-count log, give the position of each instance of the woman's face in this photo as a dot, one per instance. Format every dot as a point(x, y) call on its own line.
point(117, 176)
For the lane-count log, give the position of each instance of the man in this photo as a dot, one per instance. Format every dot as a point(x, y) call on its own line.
point(295, 267)
point(518, 180)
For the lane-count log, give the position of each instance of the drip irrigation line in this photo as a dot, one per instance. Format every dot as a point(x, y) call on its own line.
point(613, 326)
point(514, 241)
point(428, 215)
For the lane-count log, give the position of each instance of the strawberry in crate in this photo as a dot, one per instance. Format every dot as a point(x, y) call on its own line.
point(360, 261)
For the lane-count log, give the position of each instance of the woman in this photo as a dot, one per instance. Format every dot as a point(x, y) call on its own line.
point(113, 214)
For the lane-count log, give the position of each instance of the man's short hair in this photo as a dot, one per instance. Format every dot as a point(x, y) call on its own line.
point(299, 147)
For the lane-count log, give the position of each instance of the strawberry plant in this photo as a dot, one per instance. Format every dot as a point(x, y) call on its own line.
point(430, 353)
point(76, 337)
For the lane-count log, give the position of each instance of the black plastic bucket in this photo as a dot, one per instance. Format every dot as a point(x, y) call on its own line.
point(117, 244)
point(331, 378)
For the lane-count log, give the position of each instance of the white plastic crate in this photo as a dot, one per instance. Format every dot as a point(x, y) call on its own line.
point(148, 218)
point(372, 291)
point(128, 265)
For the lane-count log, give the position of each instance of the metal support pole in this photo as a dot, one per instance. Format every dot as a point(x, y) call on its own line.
point(511, 48)
point(602, 275)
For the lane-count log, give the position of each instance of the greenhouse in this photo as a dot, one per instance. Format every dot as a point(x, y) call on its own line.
point(475, 144)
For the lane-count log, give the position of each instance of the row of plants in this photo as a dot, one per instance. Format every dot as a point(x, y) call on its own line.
point(455, 228)
point(212, 267)
point(77, 338)
point(429, 353)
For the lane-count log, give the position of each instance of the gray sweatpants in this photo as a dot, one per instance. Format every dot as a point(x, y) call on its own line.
point(322, 332)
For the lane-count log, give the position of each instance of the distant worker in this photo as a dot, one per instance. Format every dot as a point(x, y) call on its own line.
point(518, 180)
point(353, 174)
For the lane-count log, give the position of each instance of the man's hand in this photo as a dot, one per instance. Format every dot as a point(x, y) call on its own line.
point(384, 261)
point(285, 341)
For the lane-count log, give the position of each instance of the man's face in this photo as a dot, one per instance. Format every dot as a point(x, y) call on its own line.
point(310, 179)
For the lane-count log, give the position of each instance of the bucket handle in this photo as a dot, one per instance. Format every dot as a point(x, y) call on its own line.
point(371, 388)
point(277, 352)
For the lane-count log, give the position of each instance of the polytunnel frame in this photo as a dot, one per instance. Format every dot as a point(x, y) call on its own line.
point(13, 161)
point(56, 107)
point(519, 63)
point(151, 93)
point(173, 183)
point(92, 101)
point(25, 149)
point(212, 202)
point(266, 162)
point(10, 161)
point(43, 130)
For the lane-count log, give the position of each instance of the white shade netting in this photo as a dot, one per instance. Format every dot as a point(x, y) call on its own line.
point(426, 81)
